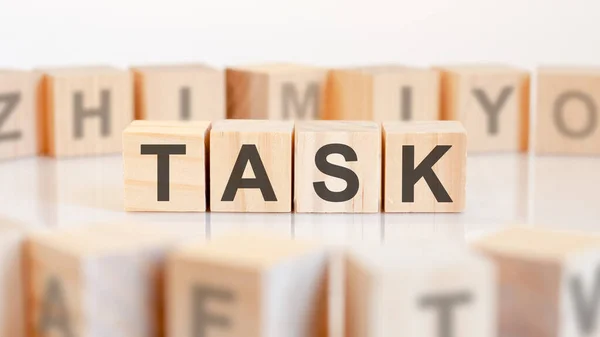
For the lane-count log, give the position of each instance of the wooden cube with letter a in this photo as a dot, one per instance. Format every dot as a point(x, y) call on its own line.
point(84, 111)
point(247, 285)
point(549, 281)
point(492, 102)
point(179, 92)
point(425, 289)
point(383, 93)
point(12, 306)
point(424, 166)
point(568, 111)
point(18, 118)
point(90, 282)
point(165, 166)
point(337, 167)
point(275, 91)
point(251, 166)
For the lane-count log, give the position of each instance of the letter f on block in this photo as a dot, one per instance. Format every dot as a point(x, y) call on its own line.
point(411, 174)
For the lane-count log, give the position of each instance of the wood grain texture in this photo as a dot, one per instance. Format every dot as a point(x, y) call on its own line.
point(450, 169)
point(84, 110)
point(492, 102)
point(364, 139)
point(247, 285)
point(179, 92)
point(568, 116)
point(187, 173)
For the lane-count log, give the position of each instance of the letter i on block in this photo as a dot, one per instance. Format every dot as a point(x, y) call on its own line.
point(250, 285)
point(251, 166)
point(84, 111)
point(423, 290)
point(492, 102)
point(165, 166)
point(549, 282)
point(424, 166)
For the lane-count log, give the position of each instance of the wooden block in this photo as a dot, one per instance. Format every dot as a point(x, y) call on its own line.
point(424, 166)
point(165, 166)
point(337, 167)
point(90, 282)
point(568, 100)
point(425, 290)
point(549, 281)
point(249, 286)
point(179, 92)
point(492, 102)
point(383, 93)
point(251, 166)
point(12, 306)
point(83, 111)
point(276, 92)
point(18, 122)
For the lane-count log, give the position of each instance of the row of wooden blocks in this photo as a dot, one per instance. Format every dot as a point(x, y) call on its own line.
point(133, 281)
point(82, 111)
point(308, 166)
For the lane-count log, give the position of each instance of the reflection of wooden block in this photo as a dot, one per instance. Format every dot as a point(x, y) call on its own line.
point(84, 110)
point(275, 91)
point(420, 290)
point(337, 167)
point(248, 286)
point(183, 92)
point(12, 321)
point(424, 166)
point(568, 115)
point(165, 166)
point(92, 282)
point(549, 282)
point(251, 166)
point(492, 102)
point(383, 93)
point(18, 119)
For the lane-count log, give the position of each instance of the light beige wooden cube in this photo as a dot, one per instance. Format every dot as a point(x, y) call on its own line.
point(83, 111)
point(12, 305)
point(337, 167)
point(165, 166)
point(425, 289)
point(18, 117)
point(251, 166)
point(425, 166)
point(275, 91)
point(247, 285)
point(549, 281)
point(91, 282)
point(383, 93)
point(492, 102)
point(568, 116)
point(179, 92)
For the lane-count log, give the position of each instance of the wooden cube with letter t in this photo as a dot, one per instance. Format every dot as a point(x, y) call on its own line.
point(549, 281)
point(83, 111)
point(424, 166)
point(251, 166)
point(276, 92)
point(247, 285)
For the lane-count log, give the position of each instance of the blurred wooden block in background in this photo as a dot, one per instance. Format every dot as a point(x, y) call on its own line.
point(549, 281)
point(97, 282)
point(12, 303)
point(425, 289)
point(276, 92)
point(165, 166)
point(568, 116)
point(179, 92)
point(337, 167)
point(492, 102)
point(251, 166)
point(383, 93)
point(83, 111)
point(248, 285)
point(18, 117)
point(425, 166)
